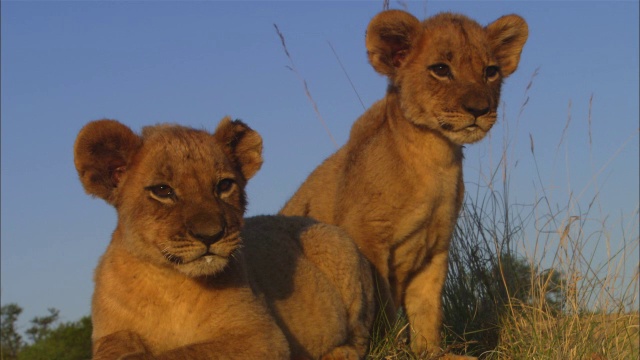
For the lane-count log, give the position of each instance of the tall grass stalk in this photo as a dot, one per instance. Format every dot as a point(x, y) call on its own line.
point(294, 69)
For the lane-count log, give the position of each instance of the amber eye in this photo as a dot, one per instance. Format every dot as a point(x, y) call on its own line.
point(224, 185)
point(492, 72)
point(162, 191)
point(441, 70)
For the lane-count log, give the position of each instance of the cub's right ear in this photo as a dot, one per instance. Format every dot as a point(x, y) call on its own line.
point(241, 144)
point(102, 151)
point(390, 37)
point(507, 36)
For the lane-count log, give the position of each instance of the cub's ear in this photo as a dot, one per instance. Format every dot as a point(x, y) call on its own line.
point(507, 36)
point(102, 151)
point(390, 37)
point(241, 144)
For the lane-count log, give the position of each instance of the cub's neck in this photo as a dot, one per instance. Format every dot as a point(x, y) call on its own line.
point(416, 142)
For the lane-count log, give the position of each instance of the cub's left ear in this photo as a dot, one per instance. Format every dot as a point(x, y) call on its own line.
point(242, 144)
point(507, 36)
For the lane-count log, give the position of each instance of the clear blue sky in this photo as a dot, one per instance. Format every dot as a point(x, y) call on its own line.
point(67, 63)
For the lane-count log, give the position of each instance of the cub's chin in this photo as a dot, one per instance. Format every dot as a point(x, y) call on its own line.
point(206, 265)
point(466, 135)
point(459, 132)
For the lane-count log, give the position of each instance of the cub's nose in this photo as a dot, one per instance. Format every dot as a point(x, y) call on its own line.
point(476, 104)
point(208, 238)
point(206, 229)
point(476, 111)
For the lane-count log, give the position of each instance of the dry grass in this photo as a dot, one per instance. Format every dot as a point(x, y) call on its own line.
point(532, 334)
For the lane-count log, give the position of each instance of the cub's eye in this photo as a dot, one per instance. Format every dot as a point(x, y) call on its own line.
point(491, 72)
point(162, 191)
point(224, 185)
point(440, 70)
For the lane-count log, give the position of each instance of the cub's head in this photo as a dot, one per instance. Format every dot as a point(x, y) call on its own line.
point(179, 192)
point(447, 70)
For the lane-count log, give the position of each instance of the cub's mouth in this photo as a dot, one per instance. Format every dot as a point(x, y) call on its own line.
point(210, 258)
point(461, 128)
point(207, 264)
point(207, 257)
point(194, 257)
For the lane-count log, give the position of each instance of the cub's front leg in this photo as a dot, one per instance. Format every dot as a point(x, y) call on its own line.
point(423, 304)
point(127, 345)
point(240, 345)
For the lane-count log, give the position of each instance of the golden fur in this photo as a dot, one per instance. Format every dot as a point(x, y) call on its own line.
point(396, 186)
point(174, 282)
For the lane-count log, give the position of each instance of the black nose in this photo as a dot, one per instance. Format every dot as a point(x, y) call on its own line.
point(207, 228)
point(476, 103)
point(209, 237)
point(476, 111)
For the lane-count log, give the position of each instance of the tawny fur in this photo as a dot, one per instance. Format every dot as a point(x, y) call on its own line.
point(174, 282)
point(317, 283)
point(396, 186)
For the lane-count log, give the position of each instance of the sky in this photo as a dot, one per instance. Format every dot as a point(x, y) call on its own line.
point(65, 63)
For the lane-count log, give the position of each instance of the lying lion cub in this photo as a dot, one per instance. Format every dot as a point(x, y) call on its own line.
point(174, 284)
point(396, 187)
point(317, 283)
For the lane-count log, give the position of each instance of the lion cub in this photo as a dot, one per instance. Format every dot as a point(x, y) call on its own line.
point(175, 283)
point(172, 283)
point(317, 283)
point(396, 186)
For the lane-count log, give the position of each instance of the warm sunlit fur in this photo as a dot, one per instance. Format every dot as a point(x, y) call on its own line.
point(396, 186)
point(182, 278)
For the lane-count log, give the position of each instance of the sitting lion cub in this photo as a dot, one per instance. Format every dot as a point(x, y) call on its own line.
point(175, 283)
point(396, 186)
